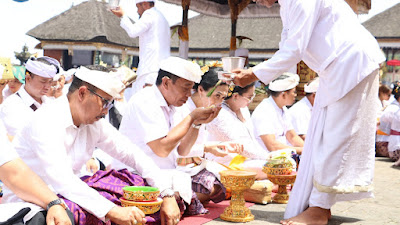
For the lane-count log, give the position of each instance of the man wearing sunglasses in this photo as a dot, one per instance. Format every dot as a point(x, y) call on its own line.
point(62, 136)
point(17, 109)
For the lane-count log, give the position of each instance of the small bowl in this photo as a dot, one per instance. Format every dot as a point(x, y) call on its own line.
point(146, 207)
point(141, 193)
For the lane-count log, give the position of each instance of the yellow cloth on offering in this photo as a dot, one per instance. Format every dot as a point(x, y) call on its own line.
point(237, 162)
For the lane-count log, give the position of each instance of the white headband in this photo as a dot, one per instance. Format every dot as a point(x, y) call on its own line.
point(41, 69)
point(284, 82)
point(110, 83)
point(312, 87)
point(182, 68)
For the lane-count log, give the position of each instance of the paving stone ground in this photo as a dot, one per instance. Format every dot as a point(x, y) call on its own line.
point(384, 209)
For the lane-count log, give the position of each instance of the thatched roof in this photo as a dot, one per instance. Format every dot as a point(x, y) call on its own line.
point(89, 21)
point(220, 8)
point(385, 25)
point(208, 33)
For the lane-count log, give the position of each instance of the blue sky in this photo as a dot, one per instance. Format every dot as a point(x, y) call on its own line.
point(18, 18)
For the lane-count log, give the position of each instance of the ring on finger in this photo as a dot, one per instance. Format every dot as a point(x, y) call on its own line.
point(177, 220)
point(134, 221)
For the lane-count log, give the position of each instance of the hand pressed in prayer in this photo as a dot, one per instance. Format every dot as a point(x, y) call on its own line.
point(243, 77)
point(205, 115)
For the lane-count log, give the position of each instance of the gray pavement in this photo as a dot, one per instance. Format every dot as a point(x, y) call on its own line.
point(384, 209)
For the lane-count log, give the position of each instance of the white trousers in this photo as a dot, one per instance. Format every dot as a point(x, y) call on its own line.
point(337, 163)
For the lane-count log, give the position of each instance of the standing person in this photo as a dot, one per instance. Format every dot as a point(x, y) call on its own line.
point(154, 41)
point(338, 158)
point(300, 112)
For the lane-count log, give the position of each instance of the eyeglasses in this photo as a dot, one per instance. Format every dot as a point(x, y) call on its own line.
point(107, 104)
point(249, 99)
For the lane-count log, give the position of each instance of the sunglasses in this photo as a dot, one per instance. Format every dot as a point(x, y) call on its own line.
point(107, 104)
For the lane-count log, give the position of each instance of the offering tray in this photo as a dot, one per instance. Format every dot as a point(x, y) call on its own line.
point(238, 182)
point(282, 195)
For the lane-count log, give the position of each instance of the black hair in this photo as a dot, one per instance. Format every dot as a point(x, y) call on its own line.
point(396, 90)
point(163, 73)
point(239, 90)
point(274, 93)
point(209, 79)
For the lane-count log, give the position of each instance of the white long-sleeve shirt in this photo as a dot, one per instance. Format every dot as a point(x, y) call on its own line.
point(16, 110)
point(148, 117)
point(55, 149)
point(227, 127)
point(328, 37)
point(154, 39)
point(300, 114)
point(268, 118)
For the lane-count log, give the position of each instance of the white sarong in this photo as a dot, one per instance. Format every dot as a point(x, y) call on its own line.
point(337, 163)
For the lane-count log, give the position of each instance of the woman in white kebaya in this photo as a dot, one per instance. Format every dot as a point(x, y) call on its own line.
point(233, 123)
point(383, 133)
point(209, 92)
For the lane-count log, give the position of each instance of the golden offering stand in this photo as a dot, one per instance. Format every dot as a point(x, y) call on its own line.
point(280, 177)
point(238, 182)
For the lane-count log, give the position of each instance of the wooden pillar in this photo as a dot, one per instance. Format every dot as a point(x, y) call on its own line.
point(236, 6)
point(183, 31)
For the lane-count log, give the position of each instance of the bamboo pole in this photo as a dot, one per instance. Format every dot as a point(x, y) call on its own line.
point(183, 31)
point(236, 6)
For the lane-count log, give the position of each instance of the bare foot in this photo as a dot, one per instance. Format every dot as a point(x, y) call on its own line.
point(397, 163)
point(312, 216)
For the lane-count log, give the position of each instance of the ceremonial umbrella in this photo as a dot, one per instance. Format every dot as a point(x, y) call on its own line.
point(393, 62)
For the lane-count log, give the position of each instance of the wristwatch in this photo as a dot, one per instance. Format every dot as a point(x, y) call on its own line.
point(167, 193)
point(196, 126)
point(57, 202)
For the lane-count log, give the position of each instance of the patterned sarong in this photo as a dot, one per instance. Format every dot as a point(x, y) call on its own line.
point(109, 184)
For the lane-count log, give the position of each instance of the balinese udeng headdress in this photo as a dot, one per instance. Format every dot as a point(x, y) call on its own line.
point(39, 68)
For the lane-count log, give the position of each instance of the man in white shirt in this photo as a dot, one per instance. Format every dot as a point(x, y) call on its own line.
point(301, 111)
point(338, 158)
point(154, 41)
point(18, 109)
point(272, 123)
point(28, 186)
point(62, 136)
point(148, 121)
